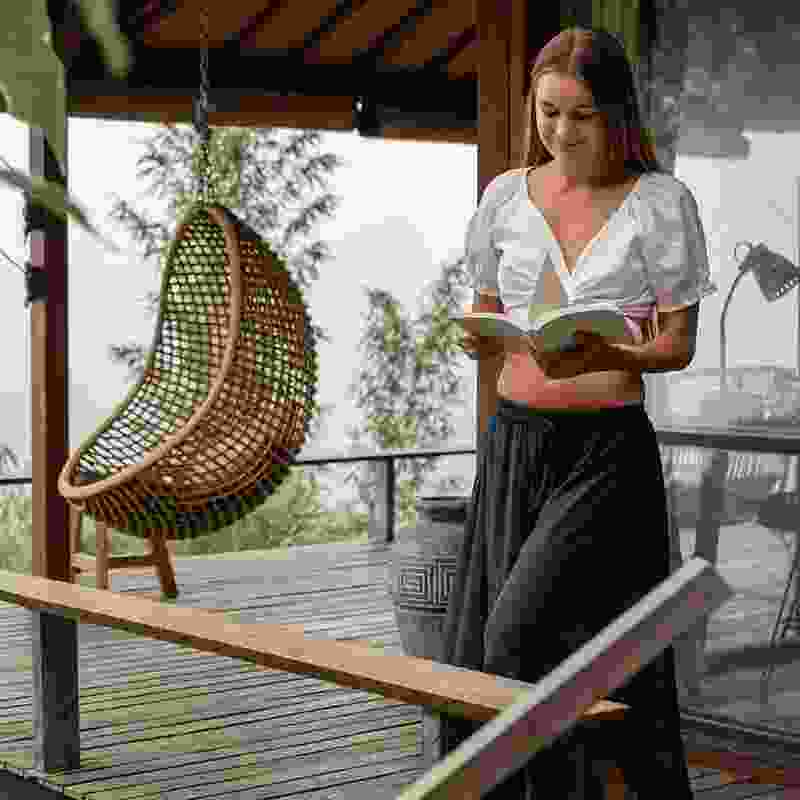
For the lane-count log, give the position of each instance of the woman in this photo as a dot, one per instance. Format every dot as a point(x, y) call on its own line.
point(568, 525)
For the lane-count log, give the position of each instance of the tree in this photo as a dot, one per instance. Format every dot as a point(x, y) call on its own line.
point(407, 385)
point(7, 458)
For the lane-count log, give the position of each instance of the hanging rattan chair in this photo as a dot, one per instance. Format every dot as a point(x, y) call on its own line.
point(226, 398)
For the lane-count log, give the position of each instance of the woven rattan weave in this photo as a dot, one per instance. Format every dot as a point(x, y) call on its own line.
point(226, 397)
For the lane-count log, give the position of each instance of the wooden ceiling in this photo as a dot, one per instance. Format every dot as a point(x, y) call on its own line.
point(409, 64)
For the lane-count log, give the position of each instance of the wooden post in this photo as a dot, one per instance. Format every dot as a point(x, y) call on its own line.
point(55, 642)
point(382, 524)
point(510, 32)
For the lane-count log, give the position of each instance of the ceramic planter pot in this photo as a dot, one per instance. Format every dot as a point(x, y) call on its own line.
point(422, 566)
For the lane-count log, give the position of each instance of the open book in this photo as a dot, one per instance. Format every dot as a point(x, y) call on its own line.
point(555, 326)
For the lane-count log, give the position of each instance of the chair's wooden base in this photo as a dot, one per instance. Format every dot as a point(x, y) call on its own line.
point(158, 557)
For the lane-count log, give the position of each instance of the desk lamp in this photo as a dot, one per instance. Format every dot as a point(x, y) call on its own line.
point(776, 276)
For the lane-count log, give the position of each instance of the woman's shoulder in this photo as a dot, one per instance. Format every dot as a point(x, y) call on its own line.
point(503, 187)
point(662, 186)
point(661, 199)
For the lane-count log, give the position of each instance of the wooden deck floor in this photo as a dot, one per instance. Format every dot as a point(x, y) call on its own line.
point(160, 721)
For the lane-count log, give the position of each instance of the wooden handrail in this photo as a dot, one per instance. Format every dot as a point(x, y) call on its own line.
point(512, 708)
point(461, 692)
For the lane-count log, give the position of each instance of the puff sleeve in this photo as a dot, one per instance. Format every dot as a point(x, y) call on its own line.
point(481, 257)
point(675, 252)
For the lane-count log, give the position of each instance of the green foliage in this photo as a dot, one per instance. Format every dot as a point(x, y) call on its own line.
point(99, 17)
point(31, 74)
point(32, 87)
point(15, 543)
point(408, 386)
point(293, 516)
point(7, 457)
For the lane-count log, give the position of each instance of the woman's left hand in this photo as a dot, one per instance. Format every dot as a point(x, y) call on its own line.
point(592, 353)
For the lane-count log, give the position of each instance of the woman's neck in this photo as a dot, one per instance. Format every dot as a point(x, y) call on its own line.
point(570, 181)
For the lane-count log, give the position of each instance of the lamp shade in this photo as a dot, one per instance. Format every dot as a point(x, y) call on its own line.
point(708, 132)
point(708, 142)
point(775, 274)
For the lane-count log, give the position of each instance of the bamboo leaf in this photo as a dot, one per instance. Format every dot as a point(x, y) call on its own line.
point(31, 75)
point(54, 198)
point(99, 17)
point(32, 87)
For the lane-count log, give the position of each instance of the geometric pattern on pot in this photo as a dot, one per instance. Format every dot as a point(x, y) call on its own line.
point(423, 585)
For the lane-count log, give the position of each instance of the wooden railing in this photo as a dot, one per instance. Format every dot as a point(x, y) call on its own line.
point(750, 439)
point(522, 718)
point(471, 694)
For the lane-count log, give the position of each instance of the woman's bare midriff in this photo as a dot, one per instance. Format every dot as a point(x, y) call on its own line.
point(522, 380)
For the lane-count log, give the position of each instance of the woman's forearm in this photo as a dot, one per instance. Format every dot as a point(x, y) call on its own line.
point(664, 353)
point(488, 374)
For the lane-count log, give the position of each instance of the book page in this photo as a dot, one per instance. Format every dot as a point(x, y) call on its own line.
point(549, 292)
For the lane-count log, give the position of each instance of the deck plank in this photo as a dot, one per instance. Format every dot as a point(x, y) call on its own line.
point(155, 716)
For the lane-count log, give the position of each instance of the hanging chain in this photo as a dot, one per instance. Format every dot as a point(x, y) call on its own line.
point(201, 118)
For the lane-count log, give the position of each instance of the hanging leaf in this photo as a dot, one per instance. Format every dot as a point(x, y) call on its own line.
point(53, 197)
point(31, 75)
point(99, 18)
point(621, 18)
point(32, 87)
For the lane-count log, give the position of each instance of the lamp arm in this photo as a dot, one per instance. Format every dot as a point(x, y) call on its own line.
point(723, 366)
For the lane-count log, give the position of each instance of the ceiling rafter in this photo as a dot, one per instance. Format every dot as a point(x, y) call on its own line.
point(176, 71)
point(403, 30)
point(344, 10)
point(265, 87)
point(137, 18)
point(246, 34)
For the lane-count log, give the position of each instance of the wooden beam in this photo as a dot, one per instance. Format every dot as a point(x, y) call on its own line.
point(236, 109)
point(419, 681)
point(233, 70)
point(261, 110)
point(421, 134)
point(49, 371)
point(55, 644)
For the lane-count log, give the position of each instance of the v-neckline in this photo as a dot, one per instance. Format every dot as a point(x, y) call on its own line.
point(562, 265)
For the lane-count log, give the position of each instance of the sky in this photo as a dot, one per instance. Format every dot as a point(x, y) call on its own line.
point(405, 207)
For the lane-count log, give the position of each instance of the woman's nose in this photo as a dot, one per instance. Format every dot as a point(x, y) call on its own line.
point(565, 131)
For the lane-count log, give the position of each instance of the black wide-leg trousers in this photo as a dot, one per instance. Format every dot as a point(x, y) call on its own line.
point(567, 529)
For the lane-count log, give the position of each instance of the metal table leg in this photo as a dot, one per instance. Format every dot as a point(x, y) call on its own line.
point(784, 622)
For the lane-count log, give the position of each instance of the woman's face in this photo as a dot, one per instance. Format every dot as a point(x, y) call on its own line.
point(571, 127)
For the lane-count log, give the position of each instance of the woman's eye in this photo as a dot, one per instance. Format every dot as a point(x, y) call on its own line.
point(580, 117)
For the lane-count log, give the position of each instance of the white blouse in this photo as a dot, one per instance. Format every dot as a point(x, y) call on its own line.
point(651, 254)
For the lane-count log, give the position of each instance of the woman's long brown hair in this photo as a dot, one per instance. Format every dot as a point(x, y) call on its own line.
point(597, 58)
